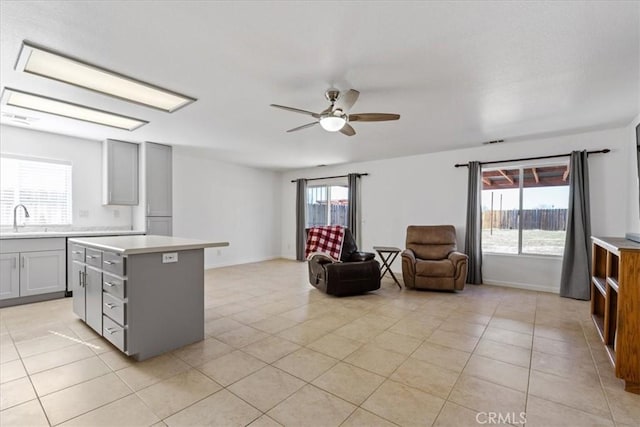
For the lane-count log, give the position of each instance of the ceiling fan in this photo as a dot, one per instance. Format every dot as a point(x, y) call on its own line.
point(335, 118)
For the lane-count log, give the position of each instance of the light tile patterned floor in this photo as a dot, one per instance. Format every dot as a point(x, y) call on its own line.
point(278, 352)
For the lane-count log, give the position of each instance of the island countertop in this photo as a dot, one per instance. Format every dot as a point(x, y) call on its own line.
point(130, 245)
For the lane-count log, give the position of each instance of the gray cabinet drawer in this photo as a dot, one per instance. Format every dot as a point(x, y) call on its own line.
point(114, 308)
point(93, 257)
point(77, 252)
point(114, 285)
point(113, 263)
point(115, 333)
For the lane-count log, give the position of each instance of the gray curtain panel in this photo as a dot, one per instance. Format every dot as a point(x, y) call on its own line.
point(301, 208)
point(353, 217)
point(575, 280)
point(473, 236)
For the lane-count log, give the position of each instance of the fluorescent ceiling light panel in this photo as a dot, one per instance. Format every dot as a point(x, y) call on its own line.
point(30, 101)
point(44, 62)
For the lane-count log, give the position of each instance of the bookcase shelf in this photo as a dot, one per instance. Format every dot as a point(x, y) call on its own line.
point(615, 304)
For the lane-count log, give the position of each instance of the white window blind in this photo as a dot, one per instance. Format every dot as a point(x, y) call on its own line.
point(43, 186)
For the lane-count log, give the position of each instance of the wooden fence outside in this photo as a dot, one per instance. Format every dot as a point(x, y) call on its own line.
point(532, 219)
point(317, 215)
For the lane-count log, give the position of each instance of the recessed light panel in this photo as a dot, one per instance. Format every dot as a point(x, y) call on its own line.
point(30, 101)
point(44, 62)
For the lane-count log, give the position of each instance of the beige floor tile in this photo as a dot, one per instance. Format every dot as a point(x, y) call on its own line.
point(480, 395)
point(442, 356)
point(231, 367)
point(462, 327)
point(543, 413)
point(219, 409)
point(266, 388)
point(116, 360)
point(453, 415)
point(311, 405)
point(495, 371)
point(580, 370)
point(8, 352)
point(453, 340)
point(349, 382)
point(561, 334)
point(15, 392)
point(143, 374)
point(129, 411)
point(305, 364)
point(562, 348)
point(45, 343)
point(587, 398)
point(508, 337)
point(361, 332)
point(274, 324)
point(335, 346)
point(396, 342)
point(427, 377)
point(220, 326)
point(81, 398)
point(13, 370)
point(375, 359)
point(55, 379)
point(176, 393)
point(415, 328)
point(271, 348)
point(53, 359)
point(302, 334)
point(29, 414)
point(512, 325)
point(624, 405)
point(362, 418)
point(504, 352)
point(203, 351)
point(265, 421)
point(242, 336)
point(403, 405)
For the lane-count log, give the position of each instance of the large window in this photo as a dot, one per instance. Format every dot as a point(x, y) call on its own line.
point(524, 209)
point(327, 204)
point(43, 186)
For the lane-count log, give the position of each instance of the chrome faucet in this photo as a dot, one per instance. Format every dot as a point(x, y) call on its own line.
point(15, 215)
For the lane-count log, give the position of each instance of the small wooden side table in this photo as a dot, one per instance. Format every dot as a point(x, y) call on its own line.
point(388, 254)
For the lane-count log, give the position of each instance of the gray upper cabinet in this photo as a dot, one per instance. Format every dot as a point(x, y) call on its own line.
point(120, 173)
point(158, 178)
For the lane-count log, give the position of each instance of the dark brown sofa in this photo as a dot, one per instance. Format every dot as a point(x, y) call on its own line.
point(357, 273)
point(431, 260)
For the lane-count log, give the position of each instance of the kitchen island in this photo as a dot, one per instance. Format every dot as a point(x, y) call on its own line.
point(144, 294)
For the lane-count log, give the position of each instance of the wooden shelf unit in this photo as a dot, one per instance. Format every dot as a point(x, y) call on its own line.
point(615, 304)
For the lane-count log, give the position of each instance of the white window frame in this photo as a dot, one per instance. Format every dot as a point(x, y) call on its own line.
point(521, 167)
point(329, 182)
point(69, 195)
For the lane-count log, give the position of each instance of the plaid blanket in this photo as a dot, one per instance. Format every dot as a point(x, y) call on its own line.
point(326, 241)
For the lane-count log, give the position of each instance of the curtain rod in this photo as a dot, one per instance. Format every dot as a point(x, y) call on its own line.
point(329, 177)
point(458, 165)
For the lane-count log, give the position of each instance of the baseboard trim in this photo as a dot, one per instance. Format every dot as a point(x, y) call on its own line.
point(526, 286)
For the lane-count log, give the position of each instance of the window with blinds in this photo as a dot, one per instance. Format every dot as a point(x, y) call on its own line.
point(43, 186)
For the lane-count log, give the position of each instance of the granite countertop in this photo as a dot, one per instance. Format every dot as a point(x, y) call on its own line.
point(130, 245)
point(28, 234)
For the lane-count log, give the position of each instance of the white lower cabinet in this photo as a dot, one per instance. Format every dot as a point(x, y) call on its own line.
point(32, 267)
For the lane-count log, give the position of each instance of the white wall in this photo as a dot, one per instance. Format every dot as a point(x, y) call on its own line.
point(427, 189)
point(633, 208)
point(220, 201)
point(86, 158)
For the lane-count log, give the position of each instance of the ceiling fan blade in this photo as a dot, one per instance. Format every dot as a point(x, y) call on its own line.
point(297, 110)
point(348, 130)
point(372, 117)
point(308, 125)
point(348, 99)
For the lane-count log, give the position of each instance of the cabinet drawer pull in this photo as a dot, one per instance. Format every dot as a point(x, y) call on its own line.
point(111, 305)
point(76, 252)
point(90, 257)
point(110, 262)
point(110, 284)
point(111, 331)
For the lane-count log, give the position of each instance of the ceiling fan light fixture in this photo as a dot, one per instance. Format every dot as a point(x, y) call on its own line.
point(332, 123)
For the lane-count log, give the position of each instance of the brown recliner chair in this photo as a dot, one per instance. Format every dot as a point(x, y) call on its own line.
point(357, 273)
point(431, 260)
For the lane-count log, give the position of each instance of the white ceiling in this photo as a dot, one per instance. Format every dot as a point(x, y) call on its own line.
point(458, 73)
